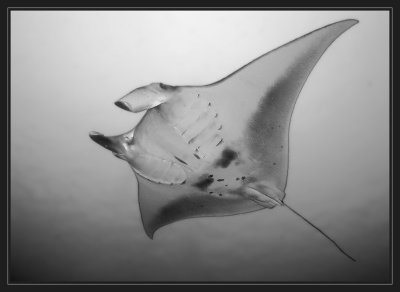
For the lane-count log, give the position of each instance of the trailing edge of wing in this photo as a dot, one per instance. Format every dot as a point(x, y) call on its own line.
point(164, 204)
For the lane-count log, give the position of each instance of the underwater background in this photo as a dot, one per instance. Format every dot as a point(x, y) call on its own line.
point(74, 214)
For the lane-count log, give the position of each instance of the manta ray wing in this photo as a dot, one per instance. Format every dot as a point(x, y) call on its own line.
point(161, 205)
point(259, 98)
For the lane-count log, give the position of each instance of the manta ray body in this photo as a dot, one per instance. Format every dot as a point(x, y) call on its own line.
point(218, 149)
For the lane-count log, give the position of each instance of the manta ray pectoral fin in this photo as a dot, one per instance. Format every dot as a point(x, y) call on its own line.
point(265, 92)
point(299, 55)
point(162, 204)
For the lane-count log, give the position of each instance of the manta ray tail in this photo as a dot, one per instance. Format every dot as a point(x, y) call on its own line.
point(275, 197)
point(322, 232)
point(267, 200)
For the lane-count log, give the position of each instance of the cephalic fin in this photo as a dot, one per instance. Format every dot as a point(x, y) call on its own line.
point(146, 97)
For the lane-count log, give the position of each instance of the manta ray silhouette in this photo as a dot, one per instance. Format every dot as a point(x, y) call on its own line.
point(219, 149)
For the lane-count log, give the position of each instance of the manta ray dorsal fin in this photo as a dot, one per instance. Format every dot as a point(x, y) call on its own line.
point(264, 195)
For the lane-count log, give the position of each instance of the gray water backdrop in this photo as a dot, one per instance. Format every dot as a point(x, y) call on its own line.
point(74, 209)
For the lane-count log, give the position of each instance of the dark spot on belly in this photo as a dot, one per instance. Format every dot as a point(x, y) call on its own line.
point(226, 185)
point(274, 163)
point(180, 160)
point(281, 146)
point(203, 183)
point(220, 195)
point(237, 178)
point(211, 192)
point(210, 175)
point(220, 179)
point(183, 182)
point(209, 104)
point(197, 156)
point(227, 156)
point(243, 177)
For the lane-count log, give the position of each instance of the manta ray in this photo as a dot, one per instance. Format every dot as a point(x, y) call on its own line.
point(219, 149)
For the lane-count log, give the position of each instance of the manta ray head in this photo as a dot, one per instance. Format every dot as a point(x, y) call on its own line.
point(122, 146)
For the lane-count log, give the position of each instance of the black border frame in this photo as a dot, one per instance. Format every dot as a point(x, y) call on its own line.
point(8, 9)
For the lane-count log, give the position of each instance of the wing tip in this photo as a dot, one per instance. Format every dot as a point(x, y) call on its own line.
point(150, 234)
point(148, 228)
point(354, 20)
point(349, 22)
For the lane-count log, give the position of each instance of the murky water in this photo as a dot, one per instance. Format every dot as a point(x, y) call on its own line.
point(74, 210)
